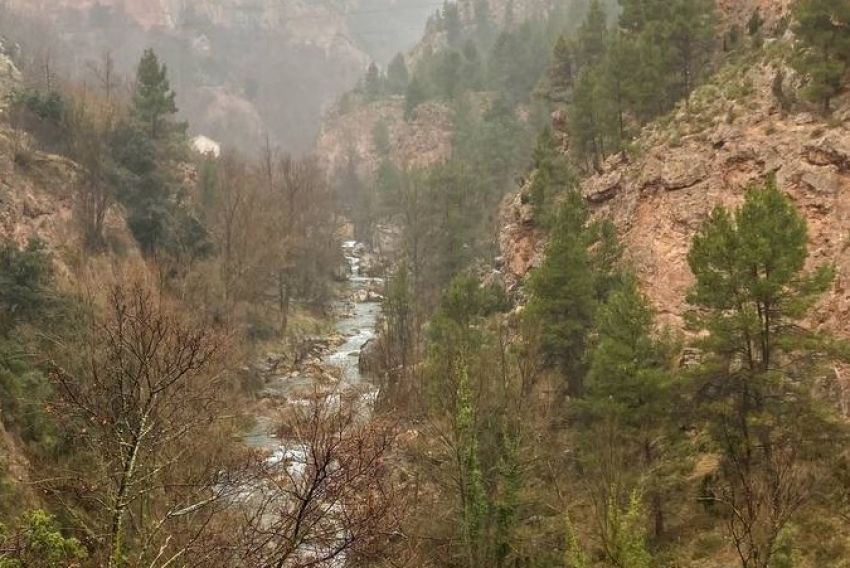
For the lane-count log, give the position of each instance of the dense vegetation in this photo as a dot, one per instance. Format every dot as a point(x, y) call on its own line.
point(573, 431)
point(122, 394)
point(556, 425)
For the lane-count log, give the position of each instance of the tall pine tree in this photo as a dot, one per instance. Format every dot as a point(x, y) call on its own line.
point(153, 99)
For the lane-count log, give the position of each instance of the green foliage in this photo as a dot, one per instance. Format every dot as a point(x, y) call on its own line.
point(561, 70)
point(48, 106)
point(566, 289)
point(749, 279)
point(591, 40)
point(26, 394)
point(26, 276)
point(400, 319)
point(153, 99)
point(37, 542)
point(398, 76)
point(657, 56)
point(761, 370)
point(381, 138)
point(629, 374)
point(473, 496)
point(626, 545)
point(552, 175)
point(823, 48)
point(373, 83)
point(785, 553)
point(42, 114)
point(574, 554)
point(493, 145)
point(628, 535)
point(415, 95)
point(464, 303)
point(144, 153)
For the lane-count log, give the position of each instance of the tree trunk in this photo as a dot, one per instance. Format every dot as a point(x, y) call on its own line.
point(119, 512)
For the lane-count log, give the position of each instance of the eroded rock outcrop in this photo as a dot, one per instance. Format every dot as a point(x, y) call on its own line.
point(733, 133)
point(424, 140)
point(521, 241)
point(709, 156)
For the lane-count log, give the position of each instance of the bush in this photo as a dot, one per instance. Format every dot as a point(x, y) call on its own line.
point(37, 542)
point(25, 279)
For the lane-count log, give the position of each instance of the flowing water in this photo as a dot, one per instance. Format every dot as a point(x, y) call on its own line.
point(357, 322)
point(357, 325)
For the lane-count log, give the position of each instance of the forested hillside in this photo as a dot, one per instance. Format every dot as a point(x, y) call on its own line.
point(561, 285)
point(618, 383)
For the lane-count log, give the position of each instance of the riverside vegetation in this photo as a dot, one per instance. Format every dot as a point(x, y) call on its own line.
point(557, 422)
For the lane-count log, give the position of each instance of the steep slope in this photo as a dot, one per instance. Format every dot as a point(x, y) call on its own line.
point(425, 139)
point(734, 133)
point(708, 158)
point(420, 142)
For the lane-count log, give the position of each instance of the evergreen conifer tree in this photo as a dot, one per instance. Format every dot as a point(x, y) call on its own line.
point(823, 48)
point(563, 298)
point(397, 75)
point(153, 99)
point(758, 380)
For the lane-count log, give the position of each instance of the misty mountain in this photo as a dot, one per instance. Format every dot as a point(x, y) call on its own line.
point(243, 69)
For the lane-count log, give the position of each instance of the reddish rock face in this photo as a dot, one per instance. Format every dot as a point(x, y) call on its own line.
point(703, 158)
point(659, 200)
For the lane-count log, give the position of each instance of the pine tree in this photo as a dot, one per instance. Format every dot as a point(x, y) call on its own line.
point(586, 123)
point(451, 23)
point(153, 99)
point(397, 75)
point(592, 37)
point(372, 83)
point(629, 384)
point(552, 174)
point(563, 299)
point(674, 40)
point(561, 71)
point(691, 37)
point(823, 49)
point(757, 382)
point(415, 95)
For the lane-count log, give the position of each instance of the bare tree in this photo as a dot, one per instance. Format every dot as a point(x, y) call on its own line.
point(329, 496)
point(307, 231)
point(90, 122)
point(106, 76)
point(146, 390)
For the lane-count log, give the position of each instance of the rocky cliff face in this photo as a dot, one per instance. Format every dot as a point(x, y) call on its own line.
point(422, 141)
point(739, 12)
point(734, 133)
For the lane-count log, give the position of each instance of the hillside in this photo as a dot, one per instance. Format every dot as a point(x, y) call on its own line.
point(425, 139)
point(563, 285)
point(735, 133)
point(230, 59)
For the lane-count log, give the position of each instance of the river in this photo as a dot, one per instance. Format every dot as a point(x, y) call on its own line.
point(358, 312)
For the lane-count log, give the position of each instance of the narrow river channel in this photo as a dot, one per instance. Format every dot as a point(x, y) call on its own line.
point(358, 312)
